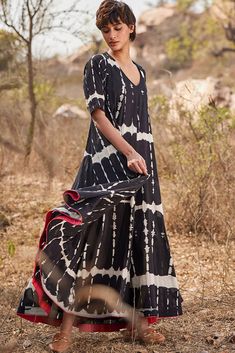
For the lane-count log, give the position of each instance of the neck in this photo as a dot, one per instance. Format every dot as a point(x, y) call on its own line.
point(122, 55)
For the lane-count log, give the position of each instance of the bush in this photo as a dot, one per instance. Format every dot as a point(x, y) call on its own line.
point(180, 50)
point(59, 142)
point(196, 156)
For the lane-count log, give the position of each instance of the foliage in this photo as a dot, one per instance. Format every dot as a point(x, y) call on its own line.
point(197, 157)
point(11, 248)
point(199, 34)
point(32, 19)
point(185, 4)
point(44, 91)
point(182, 48)
point(9, 49)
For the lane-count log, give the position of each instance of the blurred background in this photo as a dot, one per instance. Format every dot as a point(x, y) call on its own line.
point(187, 48)
point(188, 51)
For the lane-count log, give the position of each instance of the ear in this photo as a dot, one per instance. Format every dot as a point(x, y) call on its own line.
point(132, 27)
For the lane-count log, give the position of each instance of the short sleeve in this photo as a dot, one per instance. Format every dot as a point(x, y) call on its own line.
point(94, 83)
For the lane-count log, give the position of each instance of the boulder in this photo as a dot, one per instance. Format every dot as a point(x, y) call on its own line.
point(223, 10)
point(155, 16)
point(191, 95)
point(70, 111)
point(232, 103)
point(156, 26)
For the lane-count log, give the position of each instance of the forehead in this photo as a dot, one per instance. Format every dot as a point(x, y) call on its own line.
point(112, 24)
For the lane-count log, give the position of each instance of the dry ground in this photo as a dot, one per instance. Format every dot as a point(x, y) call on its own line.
point(205, 274)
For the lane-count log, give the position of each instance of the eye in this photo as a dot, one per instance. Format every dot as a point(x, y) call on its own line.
point(105, 30)
point(118, 28)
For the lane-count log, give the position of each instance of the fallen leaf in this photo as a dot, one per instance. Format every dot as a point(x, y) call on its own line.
point(232, 338)
point(27, 343)
point(210, 340)
point(186, 337)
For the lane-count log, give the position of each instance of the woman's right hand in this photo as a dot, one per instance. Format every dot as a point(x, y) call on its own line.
point(136, 163)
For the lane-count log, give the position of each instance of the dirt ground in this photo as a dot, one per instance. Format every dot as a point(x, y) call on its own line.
point(204, 270)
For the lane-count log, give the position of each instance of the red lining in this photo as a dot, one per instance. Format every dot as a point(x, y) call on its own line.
point(72, 193)
point(89, 327)
point(42, 303)
point(39, 289)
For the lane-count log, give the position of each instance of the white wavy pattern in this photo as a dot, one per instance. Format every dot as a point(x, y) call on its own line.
point(150, 206)
point(94, 95)
point(133, 131)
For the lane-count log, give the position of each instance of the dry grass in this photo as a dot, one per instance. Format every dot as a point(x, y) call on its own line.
point(205, 274)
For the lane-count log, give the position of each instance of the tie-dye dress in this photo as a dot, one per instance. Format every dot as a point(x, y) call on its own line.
point(110, 228)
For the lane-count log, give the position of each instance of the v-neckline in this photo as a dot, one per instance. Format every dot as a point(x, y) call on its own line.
point(111, 57)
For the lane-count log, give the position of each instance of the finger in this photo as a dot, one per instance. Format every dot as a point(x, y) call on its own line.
point(141, 164)
point(145, 166)
point(132, 166)
point(138, 167)
point(133, 169)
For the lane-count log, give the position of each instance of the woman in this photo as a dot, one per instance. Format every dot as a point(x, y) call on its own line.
point(111, 229)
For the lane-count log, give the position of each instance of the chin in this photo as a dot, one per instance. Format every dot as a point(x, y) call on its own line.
point(115, 49)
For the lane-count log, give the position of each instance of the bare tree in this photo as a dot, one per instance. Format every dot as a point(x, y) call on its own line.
point(29, 19)
point(224, 12)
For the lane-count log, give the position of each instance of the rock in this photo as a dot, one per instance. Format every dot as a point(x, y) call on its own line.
point(141, 29)
point(191, 95)
point(210, 340)
point(186, 337)
point(155, 16)
point(232, 102)
point(70, 111)
point(214, 339)
point(27, 343)
point(16, 215)
point(80, 55)
point(231, 338)
point(4, 222)
point(221, 10)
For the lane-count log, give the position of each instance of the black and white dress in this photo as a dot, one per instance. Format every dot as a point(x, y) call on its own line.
point(110, 228)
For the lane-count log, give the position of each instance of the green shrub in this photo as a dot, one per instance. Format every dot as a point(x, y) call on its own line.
point(196, 156)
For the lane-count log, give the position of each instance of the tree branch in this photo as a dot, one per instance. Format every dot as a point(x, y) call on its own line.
point(5, 20)
point(36, 10)
point(222, 51)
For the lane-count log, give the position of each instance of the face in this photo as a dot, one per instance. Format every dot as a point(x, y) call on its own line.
point(117, 35)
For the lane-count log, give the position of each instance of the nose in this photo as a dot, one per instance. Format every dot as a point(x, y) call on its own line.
point(112, 34)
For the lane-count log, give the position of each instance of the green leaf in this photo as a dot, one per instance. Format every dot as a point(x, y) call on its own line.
point(11, 248)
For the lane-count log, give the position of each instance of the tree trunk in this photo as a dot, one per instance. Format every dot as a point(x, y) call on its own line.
point(33, 104)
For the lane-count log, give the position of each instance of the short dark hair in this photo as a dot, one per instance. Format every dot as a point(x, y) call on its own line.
point(111, 11)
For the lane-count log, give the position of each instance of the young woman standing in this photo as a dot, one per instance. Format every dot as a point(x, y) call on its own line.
point(111, 229)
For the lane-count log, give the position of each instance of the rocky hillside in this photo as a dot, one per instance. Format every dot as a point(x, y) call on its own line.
point(172, 45)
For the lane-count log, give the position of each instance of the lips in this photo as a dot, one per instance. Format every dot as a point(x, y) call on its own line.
point(113, 43)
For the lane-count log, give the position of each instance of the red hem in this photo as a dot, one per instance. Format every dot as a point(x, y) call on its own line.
point(39, 289)
point(38, 286)
point(90, 327)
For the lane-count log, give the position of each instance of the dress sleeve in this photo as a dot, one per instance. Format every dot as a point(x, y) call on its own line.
point(94, 84)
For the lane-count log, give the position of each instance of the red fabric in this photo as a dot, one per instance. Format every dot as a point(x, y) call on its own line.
point(88, 327)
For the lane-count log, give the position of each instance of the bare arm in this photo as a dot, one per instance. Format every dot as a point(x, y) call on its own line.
point(134, 160)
